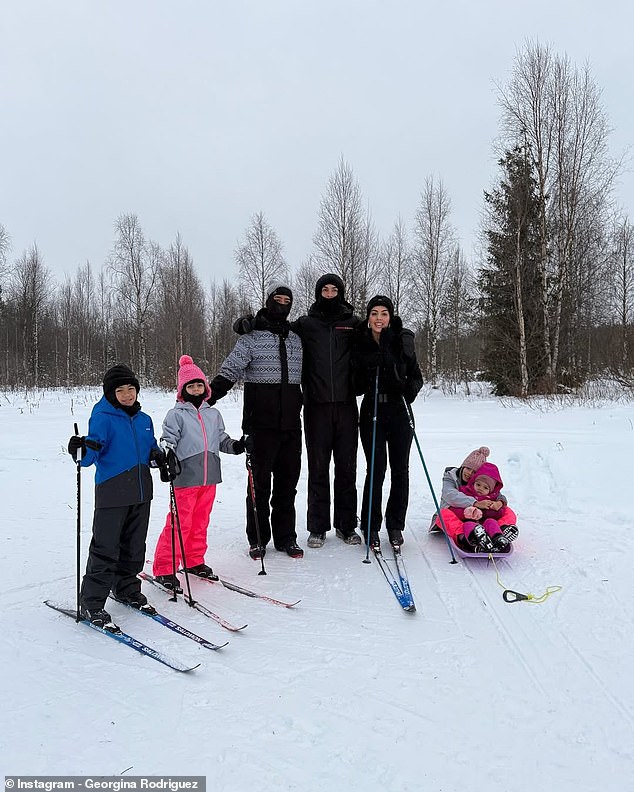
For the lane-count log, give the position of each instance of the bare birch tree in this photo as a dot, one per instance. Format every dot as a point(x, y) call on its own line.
point(344, 239)
point(134, 265)
point(260, 260)
point(433, 253)
point(304, 282)
point(29, 288)
point(395, 278)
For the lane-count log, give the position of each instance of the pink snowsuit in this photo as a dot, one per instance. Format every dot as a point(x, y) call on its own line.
point(456, 497)
point(196, 435)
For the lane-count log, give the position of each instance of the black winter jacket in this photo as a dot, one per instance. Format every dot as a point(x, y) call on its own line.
point(395, 355)
point(269, 361)
point(328, 343)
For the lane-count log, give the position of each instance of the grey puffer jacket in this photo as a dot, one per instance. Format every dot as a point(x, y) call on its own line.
point(196, 437)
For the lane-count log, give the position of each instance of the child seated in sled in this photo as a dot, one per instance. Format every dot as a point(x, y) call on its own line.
point(455, 478)
point(481, 531)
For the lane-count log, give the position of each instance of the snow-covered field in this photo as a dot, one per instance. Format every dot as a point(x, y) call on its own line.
point(346, 691)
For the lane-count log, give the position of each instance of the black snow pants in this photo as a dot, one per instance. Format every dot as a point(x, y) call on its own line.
point(116, 554)
point(332, 432)
point(277, 454)
point(393, 440)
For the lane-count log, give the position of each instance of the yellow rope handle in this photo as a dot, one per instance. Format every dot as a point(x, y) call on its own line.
point(517, 597)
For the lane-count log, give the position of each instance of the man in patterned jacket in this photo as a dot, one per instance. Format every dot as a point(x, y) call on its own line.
point(269, 361)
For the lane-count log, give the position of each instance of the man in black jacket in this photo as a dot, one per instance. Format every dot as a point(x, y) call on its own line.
point(330, 411)
point(269, 360)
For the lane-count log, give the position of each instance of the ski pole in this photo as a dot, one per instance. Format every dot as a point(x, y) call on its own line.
point(366, 560)
point(173, 598)
point(78, 543)
point(410, 418)
point(174, 509)
point(255, 511)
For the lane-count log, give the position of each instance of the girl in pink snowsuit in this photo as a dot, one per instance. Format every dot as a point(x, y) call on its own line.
point(480, 527)
point(454, 478)
point(195, 433)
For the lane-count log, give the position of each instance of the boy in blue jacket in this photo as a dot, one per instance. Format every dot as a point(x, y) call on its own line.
point(121, 444)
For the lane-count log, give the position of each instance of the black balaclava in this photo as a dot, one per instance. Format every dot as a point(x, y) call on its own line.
point(277, 312)
point(195, 400)
point(332, 305)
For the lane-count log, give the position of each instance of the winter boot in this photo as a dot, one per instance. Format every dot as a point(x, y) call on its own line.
point(202, 571)
point(501, 544)
point(170, 582)
point(480, 540)
point(351, 538)
point(375, 542)
point(316, 540)
point(396, 537)
point(100, 618)
point(511, 532)
point(256, 552)
point(293, 550)
point(138, 600)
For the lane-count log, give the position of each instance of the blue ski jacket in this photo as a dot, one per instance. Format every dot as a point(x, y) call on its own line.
point(122, 476)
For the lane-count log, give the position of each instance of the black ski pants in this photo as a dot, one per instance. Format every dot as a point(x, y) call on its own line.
point(393, 440)
point(276, 455)
point(332, 432)
point(116, 554)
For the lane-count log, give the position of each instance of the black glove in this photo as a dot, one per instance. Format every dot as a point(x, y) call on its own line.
point(171, 467)
point(211, 400)
point(76, 442)
point(245, 443)
point(244, 325)
point(157, 456)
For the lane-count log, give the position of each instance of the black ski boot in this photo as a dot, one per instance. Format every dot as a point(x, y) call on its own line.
point(256, 552)
point(138, 600)
point(480, 540)
point(501, 544)
point(396, 537)
point(170, 582)
point(100, 618)
point(202, 571)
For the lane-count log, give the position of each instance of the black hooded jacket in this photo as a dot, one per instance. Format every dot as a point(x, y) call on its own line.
point(395, 355)
point(327, 341)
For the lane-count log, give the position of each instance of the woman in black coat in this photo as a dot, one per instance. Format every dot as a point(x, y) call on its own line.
point(384, 349)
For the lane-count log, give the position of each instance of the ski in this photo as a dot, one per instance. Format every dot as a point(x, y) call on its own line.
point(174, 626)
point(249, 593)
point(128, 640)
point(196, 605)
point(403, 596)
point(403, 578)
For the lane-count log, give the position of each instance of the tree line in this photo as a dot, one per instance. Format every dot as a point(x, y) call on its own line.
point(544, 305)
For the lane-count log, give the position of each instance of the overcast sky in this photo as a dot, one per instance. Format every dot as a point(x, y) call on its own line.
point(195, 114)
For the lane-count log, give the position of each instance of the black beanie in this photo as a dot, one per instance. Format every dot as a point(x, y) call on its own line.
point(380, 299)
point(329, 279)
point(117, 376)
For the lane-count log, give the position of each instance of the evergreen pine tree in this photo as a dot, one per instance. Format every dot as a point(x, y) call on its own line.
point(512, 327)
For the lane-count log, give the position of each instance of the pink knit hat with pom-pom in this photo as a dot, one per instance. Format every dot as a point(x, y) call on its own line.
point(476, 458)
point(188, 371)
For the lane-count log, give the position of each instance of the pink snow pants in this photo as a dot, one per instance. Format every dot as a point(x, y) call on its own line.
point(454, 524)
point(194, 507)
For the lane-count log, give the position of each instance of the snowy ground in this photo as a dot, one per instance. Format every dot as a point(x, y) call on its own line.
point(345, 691)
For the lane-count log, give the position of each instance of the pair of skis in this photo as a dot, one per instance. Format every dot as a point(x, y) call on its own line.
point(227, 584)
point(141, 647)
point(122, 637)
point(396, 578)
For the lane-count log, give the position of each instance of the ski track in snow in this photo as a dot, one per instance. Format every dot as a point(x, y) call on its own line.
point(345, 691)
